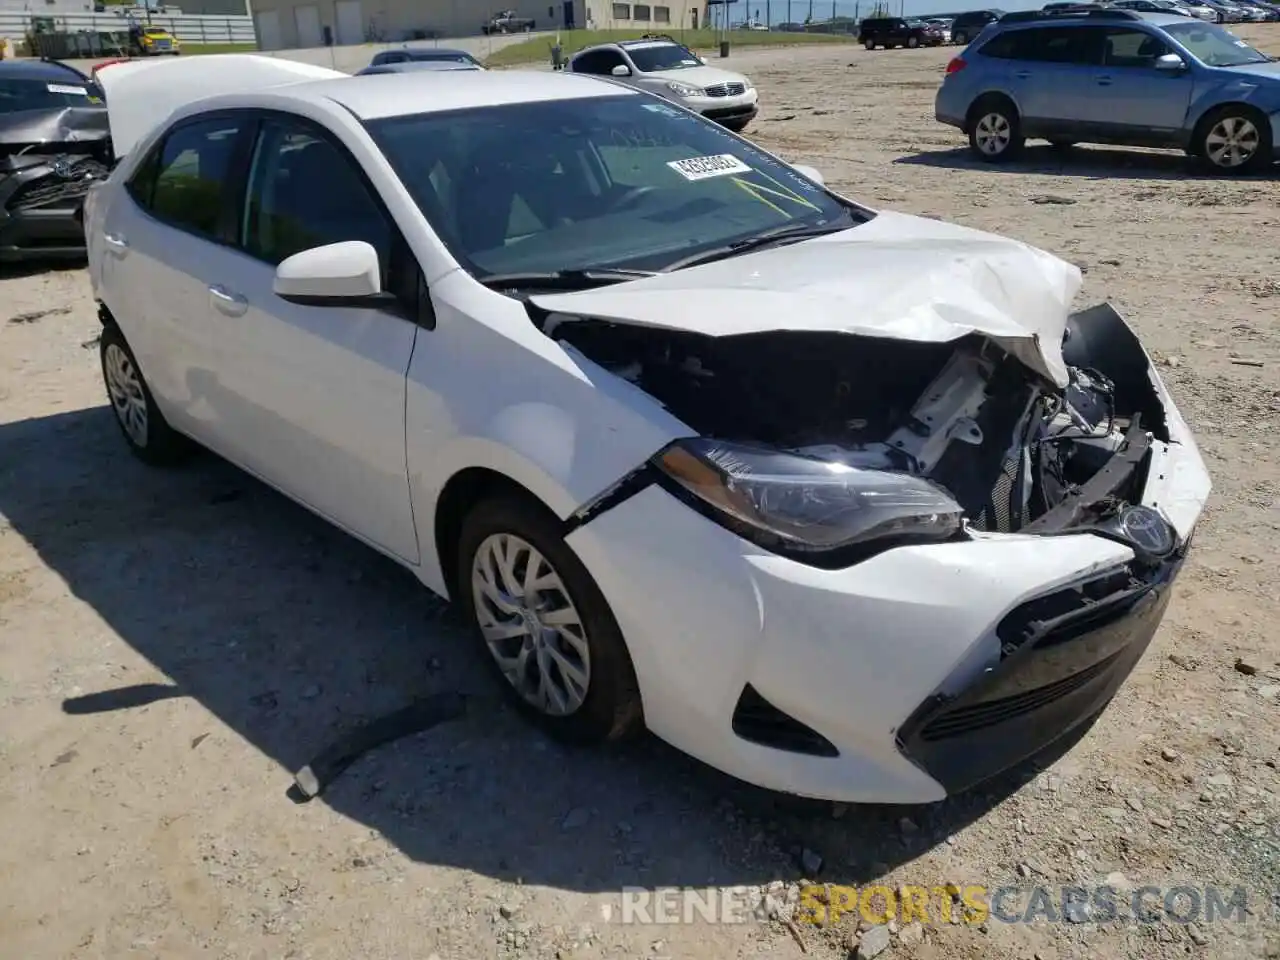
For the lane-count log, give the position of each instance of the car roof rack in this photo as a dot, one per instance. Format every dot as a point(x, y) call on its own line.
point(647, 37)
point(1087, 11)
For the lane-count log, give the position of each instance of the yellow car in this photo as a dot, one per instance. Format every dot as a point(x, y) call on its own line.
point(153, 41)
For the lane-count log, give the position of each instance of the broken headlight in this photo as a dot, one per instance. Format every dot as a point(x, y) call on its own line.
point(800, 505)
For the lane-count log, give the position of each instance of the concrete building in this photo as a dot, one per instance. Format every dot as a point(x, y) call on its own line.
point(285, 24)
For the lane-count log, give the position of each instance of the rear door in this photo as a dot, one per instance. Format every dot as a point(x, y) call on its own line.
point(1051, 73)
point(158, 237)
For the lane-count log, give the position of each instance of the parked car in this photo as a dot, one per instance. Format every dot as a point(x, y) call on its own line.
point(1115, 76)
point(661, 66)
point(595, 379)
point(966, 26)
point(1189, 8)
point(55, 142)
point(890, 32)
point(1226, 12)
point(944, 25)
point(507, 22)
point(417, 66)
point(146, 40)
point(1148, 6)
point(424, 55)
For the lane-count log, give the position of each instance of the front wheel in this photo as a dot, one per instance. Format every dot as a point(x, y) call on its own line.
point(995, 131)
point(960, 39)
point(869, 44)
point(1234, 140)
point(545, 626)
point(913, 42)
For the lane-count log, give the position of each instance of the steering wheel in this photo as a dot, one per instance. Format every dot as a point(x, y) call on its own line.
point(633, 196)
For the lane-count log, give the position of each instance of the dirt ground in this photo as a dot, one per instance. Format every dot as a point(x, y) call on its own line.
point(174, 645)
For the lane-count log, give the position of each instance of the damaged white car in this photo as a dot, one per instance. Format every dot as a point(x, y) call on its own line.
point(843, 503)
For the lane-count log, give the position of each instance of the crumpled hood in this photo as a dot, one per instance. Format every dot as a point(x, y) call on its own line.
point(59, 125)
point(896, 276)
point(698, 76)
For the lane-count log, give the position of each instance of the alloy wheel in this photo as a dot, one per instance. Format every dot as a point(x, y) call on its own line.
point(127, 397)
point(1232, 142)
point(530, 624)
point(993, 133)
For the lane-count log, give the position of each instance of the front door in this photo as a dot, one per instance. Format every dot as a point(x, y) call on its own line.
point(312, 398)
point(1129, 98)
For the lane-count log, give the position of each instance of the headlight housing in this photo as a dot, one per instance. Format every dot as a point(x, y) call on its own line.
point(806, 508)
point(683, 89)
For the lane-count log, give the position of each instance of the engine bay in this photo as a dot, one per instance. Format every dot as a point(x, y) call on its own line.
point(1008, 446)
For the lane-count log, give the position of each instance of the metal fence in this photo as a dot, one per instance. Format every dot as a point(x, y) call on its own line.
point(188, 28)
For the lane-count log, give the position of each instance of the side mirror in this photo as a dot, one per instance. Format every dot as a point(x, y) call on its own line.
point(343, 274)
point(621, 70)
point(1170, 63)
point(809, 173)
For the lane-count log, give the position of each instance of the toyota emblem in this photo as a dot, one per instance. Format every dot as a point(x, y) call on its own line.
point(1147, 530)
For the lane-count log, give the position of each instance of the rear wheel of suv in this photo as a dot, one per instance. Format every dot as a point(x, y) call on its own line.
point(913, 42)
point(995, 130)
point(960, 39)
point(1234, 139)
point(870, 44)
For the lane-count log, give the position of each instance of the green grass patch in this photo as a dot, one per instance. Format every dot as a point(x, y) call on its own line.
point(538, 49)
point(195, 49)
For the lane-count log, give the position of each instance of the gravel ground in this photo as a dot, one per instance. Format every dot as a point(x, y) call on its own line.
point(173, 645)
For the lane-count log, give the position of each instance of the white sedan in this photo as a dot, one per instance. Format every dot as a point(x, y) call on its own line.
point(842, 502)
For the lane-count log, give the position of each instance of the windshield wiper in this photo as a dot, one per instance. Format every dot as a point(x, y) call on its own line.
point(578, 279)
point(769, 237)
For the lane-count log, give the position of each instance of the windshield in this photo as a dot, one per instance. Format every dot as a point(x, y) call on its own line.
point(1212, 45)
point(663, 56)
point(16, 95)
point(617, 181)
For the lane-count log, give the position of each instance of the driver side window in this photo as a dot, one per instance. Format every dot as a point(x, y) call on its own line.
point(1132, 48)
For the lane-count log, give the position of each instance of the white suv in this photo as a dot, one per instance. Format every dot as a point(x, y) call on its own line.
point(661, 65)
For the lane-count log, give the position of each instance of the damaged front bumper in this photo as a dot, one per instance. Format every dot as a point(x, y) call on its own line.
point(41, 204)
point(919, 671)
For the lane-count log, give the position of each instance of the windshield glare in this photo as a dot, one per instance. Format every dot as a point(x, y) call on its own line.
point(617, 181)
point(1212, 45)
point(663, 56)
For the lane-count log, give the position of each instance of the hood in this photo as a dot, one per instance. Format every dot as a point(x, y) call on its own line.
point(698, 76)
point(59, 125)
point(896, 277)
point(141, 94)
point(1261, 71)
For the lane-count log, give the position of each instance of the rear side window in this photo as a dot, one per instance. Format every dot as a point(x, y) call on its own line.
point(181, 182)
point(1080, 46)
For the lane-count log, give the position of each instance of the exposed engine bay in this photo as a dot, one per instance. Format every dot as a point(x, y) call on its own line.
point(1010, 447)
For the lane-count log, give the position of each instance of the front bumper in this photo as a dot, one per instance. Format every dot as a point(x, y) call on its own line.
point(742, 107)
point(40, 208)
point(900, 679)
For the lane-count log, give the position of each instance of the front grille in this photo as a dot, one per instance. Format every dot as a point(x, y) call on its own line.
point(979, 716)
point(757, 720)
point(726, 90)
point(63, 188)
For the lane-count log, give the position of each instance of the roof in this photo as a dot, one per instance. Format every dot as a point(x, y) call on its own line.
point(37, 70)
point(400, 94)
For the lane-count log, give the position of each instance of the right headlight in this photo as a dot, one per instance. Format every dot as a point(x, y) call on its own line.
point(683, 89)
point(798, 505)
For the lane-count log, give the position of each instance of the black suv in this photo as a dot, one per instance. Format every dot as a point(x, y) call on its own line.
point(969, 25)
point(890, 32)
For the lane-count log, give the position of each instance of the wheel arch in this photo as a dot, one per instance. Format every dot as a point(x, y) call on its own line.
point(1198, 127)
point(988, 96)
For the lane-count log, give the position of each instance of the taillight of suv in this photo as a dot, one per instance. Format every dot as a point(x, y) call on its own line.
point(956, 65)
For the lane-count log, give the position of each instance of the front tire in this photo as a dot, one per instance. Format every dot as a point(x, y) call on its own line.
point(148, 434)
point(995, 130)
point(870, 44)
point(960, 39)
point(913, 42)
point(1235, 140)
point(544, 624)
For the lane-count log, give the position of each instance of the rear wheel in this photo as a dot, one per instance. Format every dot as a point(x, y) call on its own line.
point(148, 434)
point(995, 130)
point(960, 38)
point(1234, 139)
point(913, 42)
point(869, 44)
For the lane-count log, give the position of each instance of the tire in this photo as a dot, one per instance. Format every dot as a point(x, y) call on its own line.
point(737, 126)
point(145, 430)
point(913, 42)
point(960, 39)
point(609, 708)
point(869, 44)
point(995, 130)
point(1247, 128)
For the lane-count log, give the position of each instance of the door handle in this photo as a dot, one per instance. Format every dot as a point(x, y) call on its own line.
point(1022, 74)
point(116, 243)
point(223, 300)
point(1104, 81)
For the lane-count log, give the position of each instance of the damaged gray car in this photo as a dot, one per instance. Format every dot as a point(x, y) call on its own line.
point(54, 145)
